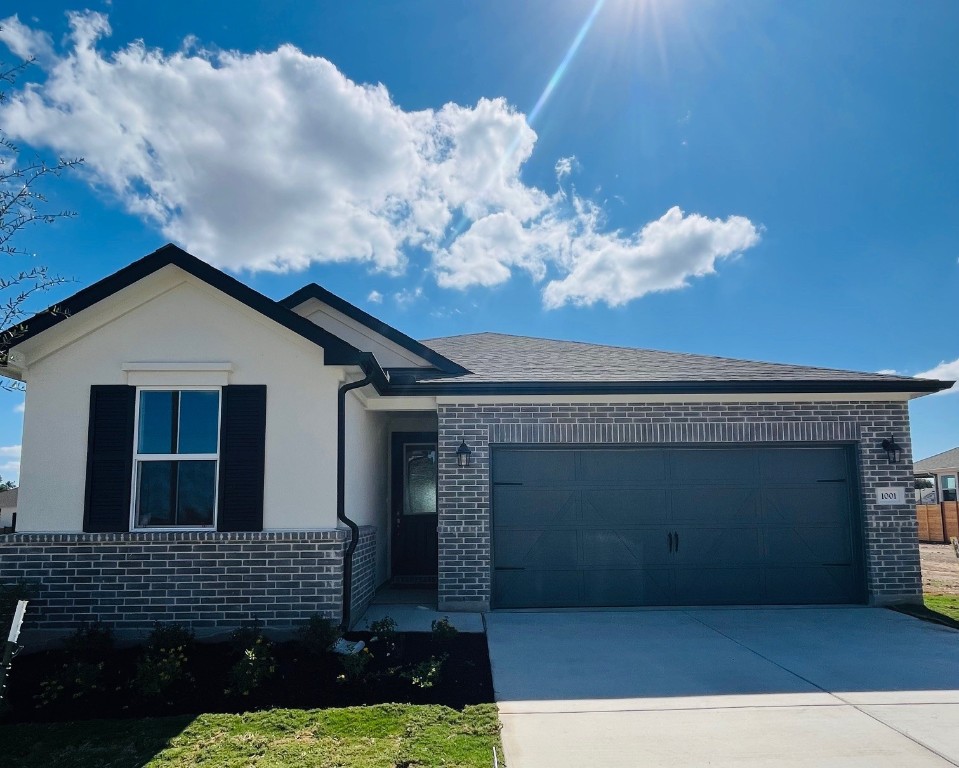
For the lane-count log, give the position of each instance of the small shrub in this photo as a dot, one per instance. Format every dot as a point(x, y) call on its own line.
point(427, 673)
point(82, 675)
point(257, 663)
point(163, 666)
point(319, 635)
point(384, 631)
point(354, 666)
point(74, 680)
point(169, 636)
point(443, 631)
point(91, 641)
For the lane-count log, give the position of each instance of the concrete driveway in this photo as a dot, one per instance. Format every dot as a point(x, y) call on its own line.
point(725, 687)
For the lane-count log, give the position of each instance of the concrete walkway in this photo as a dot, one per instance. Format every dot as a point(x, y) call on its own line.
point(729, 688)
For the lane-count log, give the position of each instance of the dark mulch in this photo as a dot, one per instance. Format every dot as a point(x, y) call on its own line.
point(302, 681)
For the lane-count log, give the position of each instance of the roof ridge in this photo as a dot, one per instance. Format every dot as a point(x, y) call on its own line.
point(697, 355)
point(937, 455)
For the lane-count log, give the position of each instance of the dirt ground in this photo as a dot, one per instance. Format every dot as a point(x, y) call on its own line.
point(940, 569)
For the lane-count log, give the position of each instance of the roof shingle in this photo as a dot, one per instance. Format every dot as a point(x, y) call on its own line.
point(498, 357)
point(945, 460)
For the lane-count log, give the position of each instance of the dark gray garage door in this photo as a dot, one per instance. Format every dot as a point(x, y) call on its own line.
point(674, 526)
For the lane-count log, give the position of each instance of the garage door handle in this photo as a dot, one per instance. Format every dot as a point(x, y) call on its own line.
point(677, 541)
point(669, 540)
point(840, 480)
point(507, 568)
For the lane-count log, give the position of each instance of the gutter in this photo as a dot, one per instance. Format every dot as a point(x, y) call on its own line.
point(373, 375)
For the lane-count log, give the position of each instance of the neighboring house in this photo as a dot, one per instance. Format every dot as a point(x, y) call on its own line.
point(195, 451)
point(8, 508)
point(943, 470)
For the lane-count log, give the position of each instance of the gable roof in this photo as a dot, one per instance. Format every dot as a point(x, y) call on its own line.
point(8, 498)
point(336, 351)
point(945, 460)
point(508, 363)
point(314, 291)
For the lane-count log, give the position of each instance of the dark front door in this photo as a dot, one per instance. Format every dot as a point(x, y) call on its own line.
point(414, 507)
point(675, 526)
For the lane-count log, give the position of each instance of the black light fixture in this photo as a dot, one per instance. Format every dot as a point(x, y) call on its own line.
point(892, 449)
point(463, 455)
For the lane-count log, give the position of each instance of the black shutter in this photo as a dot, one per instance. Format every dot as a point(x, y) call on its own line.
point(106, 505)
point(242, 458)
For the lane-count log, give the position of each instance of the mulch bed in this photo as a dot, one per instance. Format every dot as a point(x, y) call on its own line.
point(302, 681)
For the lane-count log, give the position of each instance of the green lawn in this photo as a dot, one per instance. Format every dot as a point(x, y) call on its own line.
point(947, 605)
point(386, 735)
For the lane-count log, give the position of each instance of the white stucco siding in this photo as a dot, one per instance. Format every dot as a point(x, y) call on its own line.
point(388, 353)
point(172, 317)
point(366, 477)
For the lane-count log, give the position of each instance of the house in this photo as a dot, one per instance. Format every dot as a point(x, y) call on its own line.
point(195, 451)
point(8, 509)
point(943, 470)
point(937, 508)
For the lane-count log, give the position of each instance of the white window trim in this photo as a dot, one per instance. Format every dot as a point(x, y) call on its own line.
point(138, 457)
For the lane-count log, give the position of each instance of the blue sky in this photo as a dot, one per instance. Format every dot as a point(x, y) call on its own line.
point(773, 181)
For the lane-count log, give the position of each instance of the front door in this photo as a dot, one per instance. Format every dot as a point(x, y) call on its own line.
point(414, 511)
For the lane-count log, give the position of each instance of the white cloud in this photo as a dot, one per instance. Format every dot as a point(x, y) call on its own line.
point(277, 160)
point(25, 42)
point(408, 296)
point(375, 297)
point(565, 166)
point(19, 407)
point(944, 372)
point(10, 469)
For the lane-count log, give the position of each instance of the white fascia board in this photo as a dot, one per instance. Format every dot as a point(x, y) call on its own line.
point(379, 403)
point(783, 397)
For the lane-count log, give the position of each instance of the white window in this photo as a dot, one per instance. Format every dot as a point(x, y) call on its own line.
point(176, 458)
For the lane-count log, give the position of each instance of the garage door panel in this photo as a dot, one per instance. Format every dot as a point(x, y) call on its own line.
point(624, 507)
point(535, 467)
point(712, 506)
point(751, 527)
point(623, 548)
point(802, 465)
point(718, 546)
point(719, 586)
point(732, 466)
point(644, 467)
point(819, 504)
point(516, 506)
point(797, 584)
point(649, 586)
point(541, 548)
point(546, 589)
point(812, 546)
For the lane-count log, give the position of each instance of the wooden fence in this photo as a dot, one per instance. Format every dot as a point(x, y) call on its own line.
point(938, 523)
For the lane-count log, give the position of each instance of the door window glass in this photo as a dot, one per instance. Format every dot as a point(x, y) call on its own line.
point(419, 462)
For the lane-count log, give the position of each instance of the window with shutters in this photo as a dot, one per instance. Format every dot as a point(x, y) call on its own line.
point(176, 458)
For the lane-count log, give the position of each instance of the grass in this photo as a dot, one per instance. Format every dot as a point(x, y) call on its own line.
point(384, 736)
point(947, 605)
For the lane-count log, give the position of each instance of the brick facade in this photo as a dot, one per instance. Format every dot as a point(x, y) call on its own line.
point(889, 532)
point(364, 572)
point(208, 580)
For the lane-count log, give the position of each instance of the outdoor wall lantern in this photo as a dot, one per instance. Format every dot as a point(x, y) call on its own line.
point(893, 451)
point(463, 455)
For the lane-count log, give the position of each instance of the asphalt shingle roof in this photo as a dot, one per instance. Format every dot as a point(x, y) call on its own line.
point(945, 460)
point(498, 357)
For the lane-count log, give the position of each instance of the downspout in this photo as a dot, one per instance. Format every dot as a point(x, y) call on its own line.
point(341, 493)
